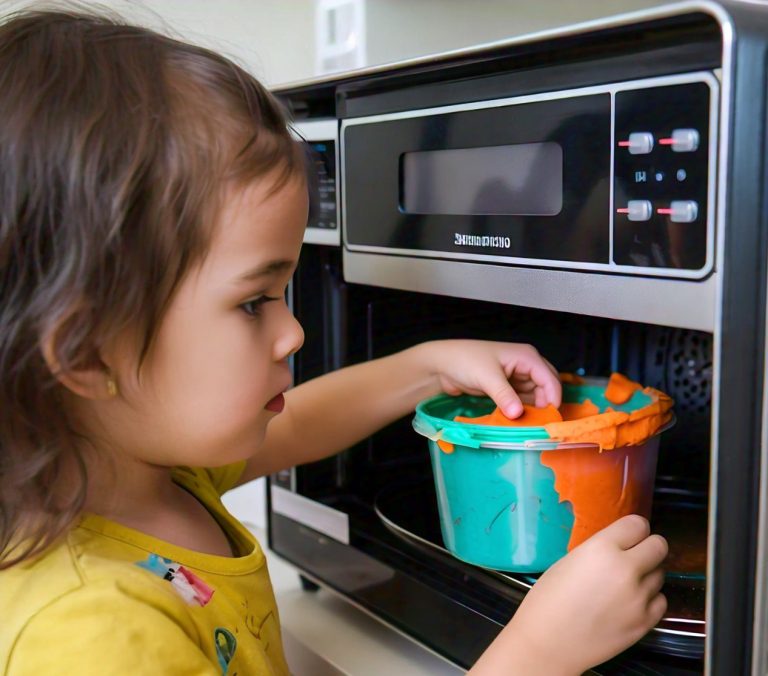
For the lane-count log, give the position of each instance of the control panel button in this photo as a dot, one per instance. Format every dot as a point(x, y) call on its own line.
point(638, 143)
point(673, 177)
point(638, 210)
point(681, 211)
point(682, 140)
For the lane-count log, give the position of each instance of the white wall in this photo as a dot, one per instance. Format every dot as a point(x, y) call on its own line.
point(273, 39)
point(402, 29)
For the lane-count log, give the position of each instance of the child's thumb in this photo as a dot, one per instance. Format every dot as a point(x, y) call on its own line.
point(504, 396)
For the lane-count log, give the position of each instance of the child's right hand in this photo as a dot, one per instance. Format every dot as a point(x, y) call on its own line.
point(592, 604)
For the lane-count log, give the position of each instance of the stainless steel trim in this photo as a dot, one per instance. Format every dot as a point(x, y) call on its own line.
point(323, 130)
point(759, 645)
point(617, 20)
point(725, 75)
point(291, 361)
point(319, 517)
point(678, 303)
point(322, 236)
point(667, 273)
point(611, 89)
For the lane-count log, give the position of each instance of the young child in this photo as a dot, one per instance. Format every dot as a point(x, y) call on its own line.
point(152, 211)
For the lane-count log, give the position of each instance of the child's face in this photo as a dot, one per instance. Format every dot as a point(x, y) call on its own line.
point(221, 353)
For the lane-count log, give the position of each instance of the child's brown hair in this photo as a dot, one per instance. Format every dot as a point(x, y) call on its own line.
point(115, 144)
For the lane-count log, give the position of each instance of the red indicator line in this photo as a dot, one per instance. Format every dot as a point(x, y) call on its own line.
point(663, 211)
point(622, 211)
point(624, 144)
point(666, 141)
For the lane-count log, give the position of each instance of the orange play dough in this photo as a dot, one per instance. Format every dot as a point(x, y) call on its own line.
point(620, 389)
point(589, 478)
point(614, 429)
point(571, 379)
point(593, 480)
point(532, 417)
point(578, 411)
point(593, 483)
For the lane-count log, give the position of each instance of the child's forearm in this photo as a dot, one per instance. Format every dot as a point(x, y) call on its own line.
point(337, 410)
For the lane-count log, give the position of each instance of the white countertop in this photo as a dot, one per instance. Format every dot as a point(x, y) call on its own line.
point(325, 635)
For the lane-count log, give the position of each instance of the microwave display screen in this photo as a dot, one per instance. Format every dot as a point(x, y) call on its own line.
point(522, 179)
point(323, 185)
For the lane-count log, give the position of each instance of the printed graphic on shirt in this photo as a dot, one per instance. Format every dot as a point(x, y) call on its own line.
point(188, 585)
point(226, 644)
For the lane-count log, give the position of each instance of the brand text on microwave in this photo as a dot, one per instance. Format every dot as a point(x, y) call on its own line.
point(482, 240)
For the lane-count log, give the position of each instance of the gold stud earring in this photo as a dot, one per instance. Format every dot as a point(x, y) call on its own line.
point(111, 387)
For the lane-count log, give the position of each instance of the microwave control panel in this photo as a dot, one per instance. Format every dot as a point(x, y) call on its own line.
point(661, 176)
point(617, 178)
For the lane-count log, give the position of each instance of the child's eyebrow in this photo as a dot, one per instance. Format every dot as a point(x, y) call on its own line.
point(265, 269)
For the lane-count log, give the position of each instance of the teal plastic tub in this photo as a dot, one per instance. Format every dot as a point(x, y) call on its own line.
point(498, 503)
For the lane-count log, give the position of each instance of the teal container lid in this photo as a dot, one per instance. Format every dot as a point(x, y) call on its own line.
point(434, 418)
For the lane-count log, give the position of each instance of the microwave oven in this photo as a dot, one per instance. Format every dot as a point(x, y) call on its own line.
point(597, 191)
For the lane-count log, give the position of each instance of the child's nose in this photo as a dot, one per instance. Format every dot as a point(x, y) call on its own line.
point(291, 338)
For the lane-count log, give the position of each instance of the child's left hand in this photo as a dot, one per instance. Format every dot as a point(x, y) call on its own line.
point(509, 373)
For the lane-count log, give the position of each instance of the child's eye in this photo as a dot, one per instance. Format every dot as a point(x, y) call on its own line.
point(253, 307)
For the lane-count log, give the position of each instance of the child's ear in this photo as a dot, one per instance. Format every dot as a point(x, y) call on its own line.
point(91, 379)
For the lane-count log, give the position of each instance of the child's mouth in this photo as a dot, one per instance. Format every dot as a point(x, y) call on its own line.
point(276, 404)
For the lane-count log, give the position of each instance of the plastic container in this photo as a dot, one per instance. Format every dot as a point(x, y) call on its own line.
point(506, 495)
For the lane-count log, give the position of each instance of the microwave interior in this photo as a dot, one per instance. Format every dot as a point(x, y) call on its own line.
point(396, 564)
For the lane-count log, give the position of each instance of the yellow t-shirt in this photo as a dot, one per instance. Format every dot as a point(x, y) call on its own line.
point(111, 600)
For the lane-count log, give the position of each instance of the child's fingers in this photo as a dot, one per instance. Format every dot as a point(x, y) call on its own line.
point(657, 608)
point(534, 393)
point(523, 384)
point(541, 399)
point(544, 378)
point(626, 532)
point(547, 363)
point(650, 553)
point(555, 372)
point(498, 388)
point(652, 583)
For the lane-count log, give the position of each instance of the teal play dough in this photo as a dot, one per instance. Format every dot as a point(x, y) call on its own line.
point(499, 509)
point(497, 502)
